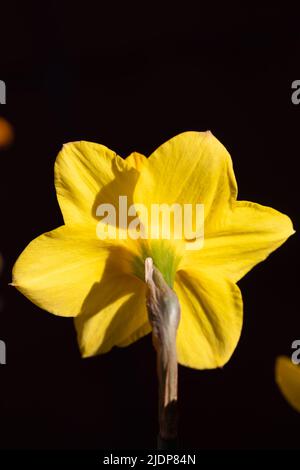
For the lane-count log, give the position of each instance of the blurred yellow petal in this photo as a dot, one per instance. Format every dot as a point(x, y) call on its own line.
point(248, 235)
point(57, 270)
point(113, 314)
point(87, 175)
point(6, 133)
point(287, 376)
point(211, 318)
point(193, 167)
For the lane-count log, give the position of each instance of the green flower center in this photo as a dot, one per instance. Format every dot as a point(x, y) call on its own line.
point(164, 256)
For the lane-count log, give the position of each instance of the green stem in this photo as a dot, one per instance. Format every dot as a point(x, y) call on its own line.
point(164, 315)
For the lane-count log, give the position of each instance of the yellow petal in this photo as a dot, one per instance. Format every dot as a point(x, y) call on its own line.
point(193, 167)
point(211, 318)
point(87, 175)
point(287, 377)
point(57, 270)
point(250, 232)
point(113, 314)
point(136, 160)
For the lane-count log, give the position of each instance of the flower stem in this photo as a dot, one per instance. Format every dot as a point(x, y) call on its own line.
point(164, 315)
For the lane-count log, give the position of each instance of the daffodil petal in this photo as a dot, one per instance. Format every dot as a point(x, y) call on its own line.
point(287, 376)
point(211, 318)
point(248, 235)
point(57, 270)
point(191, 168)
point(114, 314)
point(89, 174)
point(136, 160)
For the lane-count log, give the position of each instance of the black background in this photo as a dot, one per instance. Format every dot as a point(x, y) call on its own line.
point(131, 76)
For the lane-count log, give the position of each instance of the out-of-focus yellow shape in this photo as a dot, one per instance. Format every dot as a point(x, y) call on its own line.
point(70, 272)
point(6, 133)
point(287, 376)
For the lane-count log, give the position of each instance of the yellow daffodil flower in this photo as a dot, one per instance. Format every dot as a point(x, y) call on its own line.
point(100, 282)
point(287, 376)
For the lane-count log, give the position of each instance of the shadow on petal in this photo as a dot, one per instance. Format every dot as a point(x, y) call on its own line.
point(114, 311)
point(123, 184)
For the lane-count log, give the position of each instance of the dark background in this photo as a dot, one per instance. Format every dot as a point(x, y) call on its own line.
point(131, 77)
